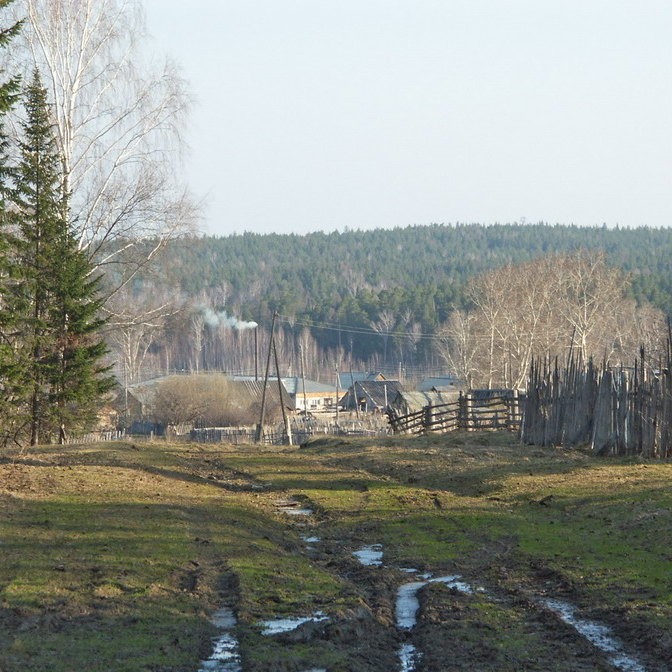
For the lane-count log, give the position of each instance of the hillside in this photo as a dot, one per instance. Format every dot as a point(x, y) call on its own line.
point(419, 267)
point(378, 297)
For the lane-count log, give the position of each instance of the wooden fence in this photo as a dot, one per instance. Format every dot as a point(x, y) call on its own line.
point(471, 411)
point(617, 411)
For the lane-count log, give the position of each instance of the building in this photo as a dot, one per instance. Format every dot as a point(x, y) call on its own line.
point(442, 384)
point(371, 395)
point(311, 396)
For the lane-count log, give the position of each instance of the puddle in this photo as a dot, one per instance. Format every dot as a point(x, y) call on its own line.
point(408, 657)
point(407, 606)
point(277, 626)
point(370, 556)
point(298, 512)
point(311, 540)
point(597, 634)
point(225, 656)
point(293, 508)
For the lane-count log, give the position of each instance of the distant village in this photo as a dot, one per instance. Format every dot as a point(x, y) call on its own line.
point(358, 401)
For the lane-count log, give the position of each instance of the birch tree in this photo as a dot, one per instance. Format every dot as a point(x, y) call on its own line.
point(589, 295)
point(458, 346)
point(118, 122)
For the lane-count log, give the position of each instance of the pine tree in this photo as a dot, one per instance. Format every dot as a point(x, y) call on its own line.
point(54, 297)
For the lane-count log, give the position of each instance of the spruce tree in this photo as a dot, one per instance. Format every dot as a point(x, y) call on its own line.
point(10, 89)
point(54, 297)
point(12, 380)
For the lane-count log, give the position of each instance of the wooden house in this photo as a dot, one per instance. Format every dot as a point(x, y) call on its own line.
point(370, 395)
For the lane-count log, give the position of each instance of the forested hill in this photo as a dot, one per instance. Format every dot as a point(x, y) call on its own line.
point(343, 277)
point(384, 295)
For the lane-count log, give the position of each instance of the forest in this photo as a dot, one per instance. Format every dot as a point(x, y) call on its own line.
point(391, 300)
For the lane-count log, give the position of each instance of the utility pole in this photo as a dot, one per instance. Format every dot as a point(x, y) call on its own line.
point(285, 418)
point(260, 426)
point(303, 380)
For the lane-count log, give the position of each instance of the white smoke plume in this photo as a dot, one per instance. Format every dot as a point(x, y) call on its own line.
point(223, 319)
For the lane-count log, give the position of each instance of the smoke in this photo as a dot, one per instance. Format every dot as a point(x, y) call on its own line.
point(223, 319)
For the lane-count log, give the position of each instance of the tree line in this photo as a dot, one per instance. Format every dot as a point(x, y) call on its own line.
point(477, 301)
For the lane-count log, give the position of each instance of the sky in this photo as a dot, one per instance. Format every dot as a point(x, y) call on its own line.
point(322, 115)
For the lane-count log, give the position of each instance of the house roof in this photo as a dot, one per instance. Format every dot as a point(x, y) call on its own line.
point(253, 391)
point(440, 383)
point(294, 386)
point(246, 388)
point(347, 379)
point(379, 392)
point(416, 401)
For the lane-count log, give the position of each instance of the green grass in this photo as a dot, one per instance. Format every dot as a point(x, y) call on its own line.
point(114, 556)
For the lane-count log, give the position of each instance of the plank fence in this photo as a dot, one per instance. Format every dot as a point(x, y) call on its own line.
point(617, 411)
point(471, 411)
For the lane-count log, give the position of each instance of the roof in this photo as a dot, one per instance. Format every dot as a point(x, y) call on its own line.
point(295, 386)
point(440, 383)
point(246, 388)
point(410, 402)
point(253, 391)
point(379, 392)
point(346, 379)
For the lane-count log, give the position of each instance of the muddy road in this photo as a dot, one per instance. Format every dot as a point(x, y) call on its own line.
point(466, 596)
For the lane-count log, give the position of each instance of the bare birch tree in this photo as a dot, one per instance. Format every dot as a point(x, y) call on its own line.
point(458, 347)
point(549, 306)
point(118, 121)
point(589, 295)
point(489, 295)
point(384, 326)
point(135, 324)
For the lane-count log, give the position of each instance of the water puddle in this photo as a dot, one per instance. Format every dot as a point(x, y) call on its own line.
point(408, 657)
point(292, 507)
point(407, 607)
point(370, 556)
point(311, 540)
point(225, 656)
point(597, 634)
point(408, 604)
point(277, 626)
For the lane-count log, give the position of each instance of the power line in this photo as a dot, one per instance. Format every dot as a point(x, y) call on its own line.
point(333, 326)
point(509, 338)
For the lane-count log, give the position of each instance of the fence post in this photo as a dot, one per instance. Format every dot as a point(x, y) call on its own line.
point(428, 418)
point(513, 410)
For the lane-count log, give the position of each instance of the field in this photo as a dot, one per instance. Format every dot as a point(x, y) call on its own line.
point(116, 556)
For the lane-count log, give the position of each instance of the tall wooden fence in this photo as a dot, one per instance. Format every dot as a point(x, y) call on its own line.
point(617, 411)
point(470, 412)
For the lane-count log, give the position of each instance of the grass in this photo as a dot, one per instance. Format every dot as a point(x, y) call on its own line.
point(115, 555)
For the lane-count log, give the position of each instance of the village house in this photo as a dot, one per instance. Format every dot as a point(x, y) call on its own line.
point(311, 396)
point(370, 396)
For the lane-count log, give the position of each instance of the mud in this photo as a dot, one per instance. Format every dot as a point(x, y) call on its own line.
point(415, 621)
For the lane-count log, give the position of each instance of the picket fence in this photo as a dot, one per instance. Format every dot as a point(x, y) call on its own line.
point(617, 411)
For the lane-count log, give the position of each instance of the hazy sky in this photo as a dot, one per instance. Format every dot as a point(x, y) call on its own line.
point(325, 114)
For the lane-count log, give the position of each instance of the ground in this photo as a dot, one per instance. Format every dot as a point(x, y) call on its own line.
point(116, 555)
